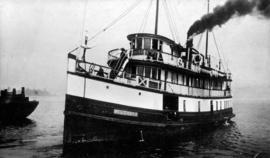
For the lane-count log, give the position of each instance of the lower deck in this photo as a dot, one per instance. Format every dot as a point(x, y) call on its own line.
point(103, 110)
point(140, 97)
point(88, 120)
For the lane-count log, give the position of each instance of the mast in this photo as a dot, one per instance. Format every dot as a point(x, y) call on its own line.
point(156, 23)
point(206, 43)
point(84, 49)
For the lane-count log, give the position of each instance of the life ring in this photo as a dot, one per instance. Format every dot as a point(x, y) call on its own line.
point(197, 59)
point(180, 62)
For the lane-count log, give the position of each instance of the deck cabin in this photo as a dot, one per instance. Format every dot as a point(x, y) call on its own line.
point(159, 63)
point(156, 63)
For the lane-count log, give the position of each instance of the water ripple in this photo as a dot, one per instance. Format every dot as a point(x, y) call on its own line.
point(248, 135)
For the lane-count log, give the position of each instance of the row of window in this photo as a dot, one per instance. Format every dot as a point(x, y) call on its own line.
point(149, 43)
point(195, 81)
point(173, 77)
point(218, 105)
point(146, 71)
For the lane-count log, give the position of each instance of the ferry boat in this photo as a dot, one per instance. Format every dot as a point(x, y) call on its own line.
point(154, 88)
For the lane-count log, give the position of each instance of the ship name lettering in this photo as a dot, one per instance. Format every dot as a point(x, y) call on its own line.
point(125, 113)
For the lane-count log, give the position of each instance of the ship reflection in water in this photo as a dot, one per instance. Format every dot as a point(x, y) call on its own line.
point(41, 136)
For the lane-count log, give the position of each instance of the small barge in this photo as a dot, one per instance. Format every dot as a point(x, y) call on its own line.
point(15, 106)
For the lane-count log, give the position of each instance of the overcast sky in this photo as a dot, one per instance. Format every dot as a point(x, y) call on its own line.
point(36, 35)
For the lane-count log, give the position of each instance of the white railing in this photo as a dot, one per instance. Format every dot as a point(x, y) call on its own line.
point(158, 56)
point(95, 70)
point(166, 58)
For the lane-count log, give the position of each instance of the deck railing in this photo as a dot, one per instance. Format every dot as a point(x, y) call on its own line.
point(165, 58)
point(92, 69)
point(114, 54)
point(152, 55)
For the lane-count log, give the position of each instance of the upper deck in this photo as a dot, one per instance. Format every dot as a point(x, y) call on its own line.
point(163, 52)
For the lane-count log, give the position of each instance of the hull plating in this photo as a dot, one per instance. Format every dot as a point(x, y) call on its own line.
point(16, 110)
point(88, 120)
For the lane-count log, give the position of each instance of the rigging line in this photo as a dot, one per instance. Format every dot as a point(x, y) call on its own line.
point(73, 50)
point(174, 28)
point(117, 19)
point(226, 62)
point(174, 21)
point(169, 15)
point(147, 15)
point(144, 22)
point(169, 19)
point(214, 37)
point(84, 19)
point(166, 11)
point(178, 14)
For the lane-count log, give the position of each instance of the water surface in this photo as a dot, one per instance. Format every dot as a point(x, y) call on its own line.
point(41, 136)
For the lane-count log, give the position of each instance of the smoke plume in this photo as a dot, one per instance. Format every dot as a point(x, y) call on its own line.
point(232, 8)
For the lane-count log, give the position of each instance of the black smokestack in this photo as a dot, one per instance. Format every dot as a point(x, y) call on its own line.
point(230, 9)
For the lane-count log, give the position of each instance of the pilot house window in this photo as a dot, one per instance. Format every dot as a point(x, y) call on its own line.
point(160, 45)
point(155, 44)
point(147, 43)
point(139, 43)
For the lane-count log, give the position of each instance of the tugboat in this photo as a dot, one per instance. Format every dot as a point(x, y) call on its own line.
point(15, 106)
point(155, 88)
